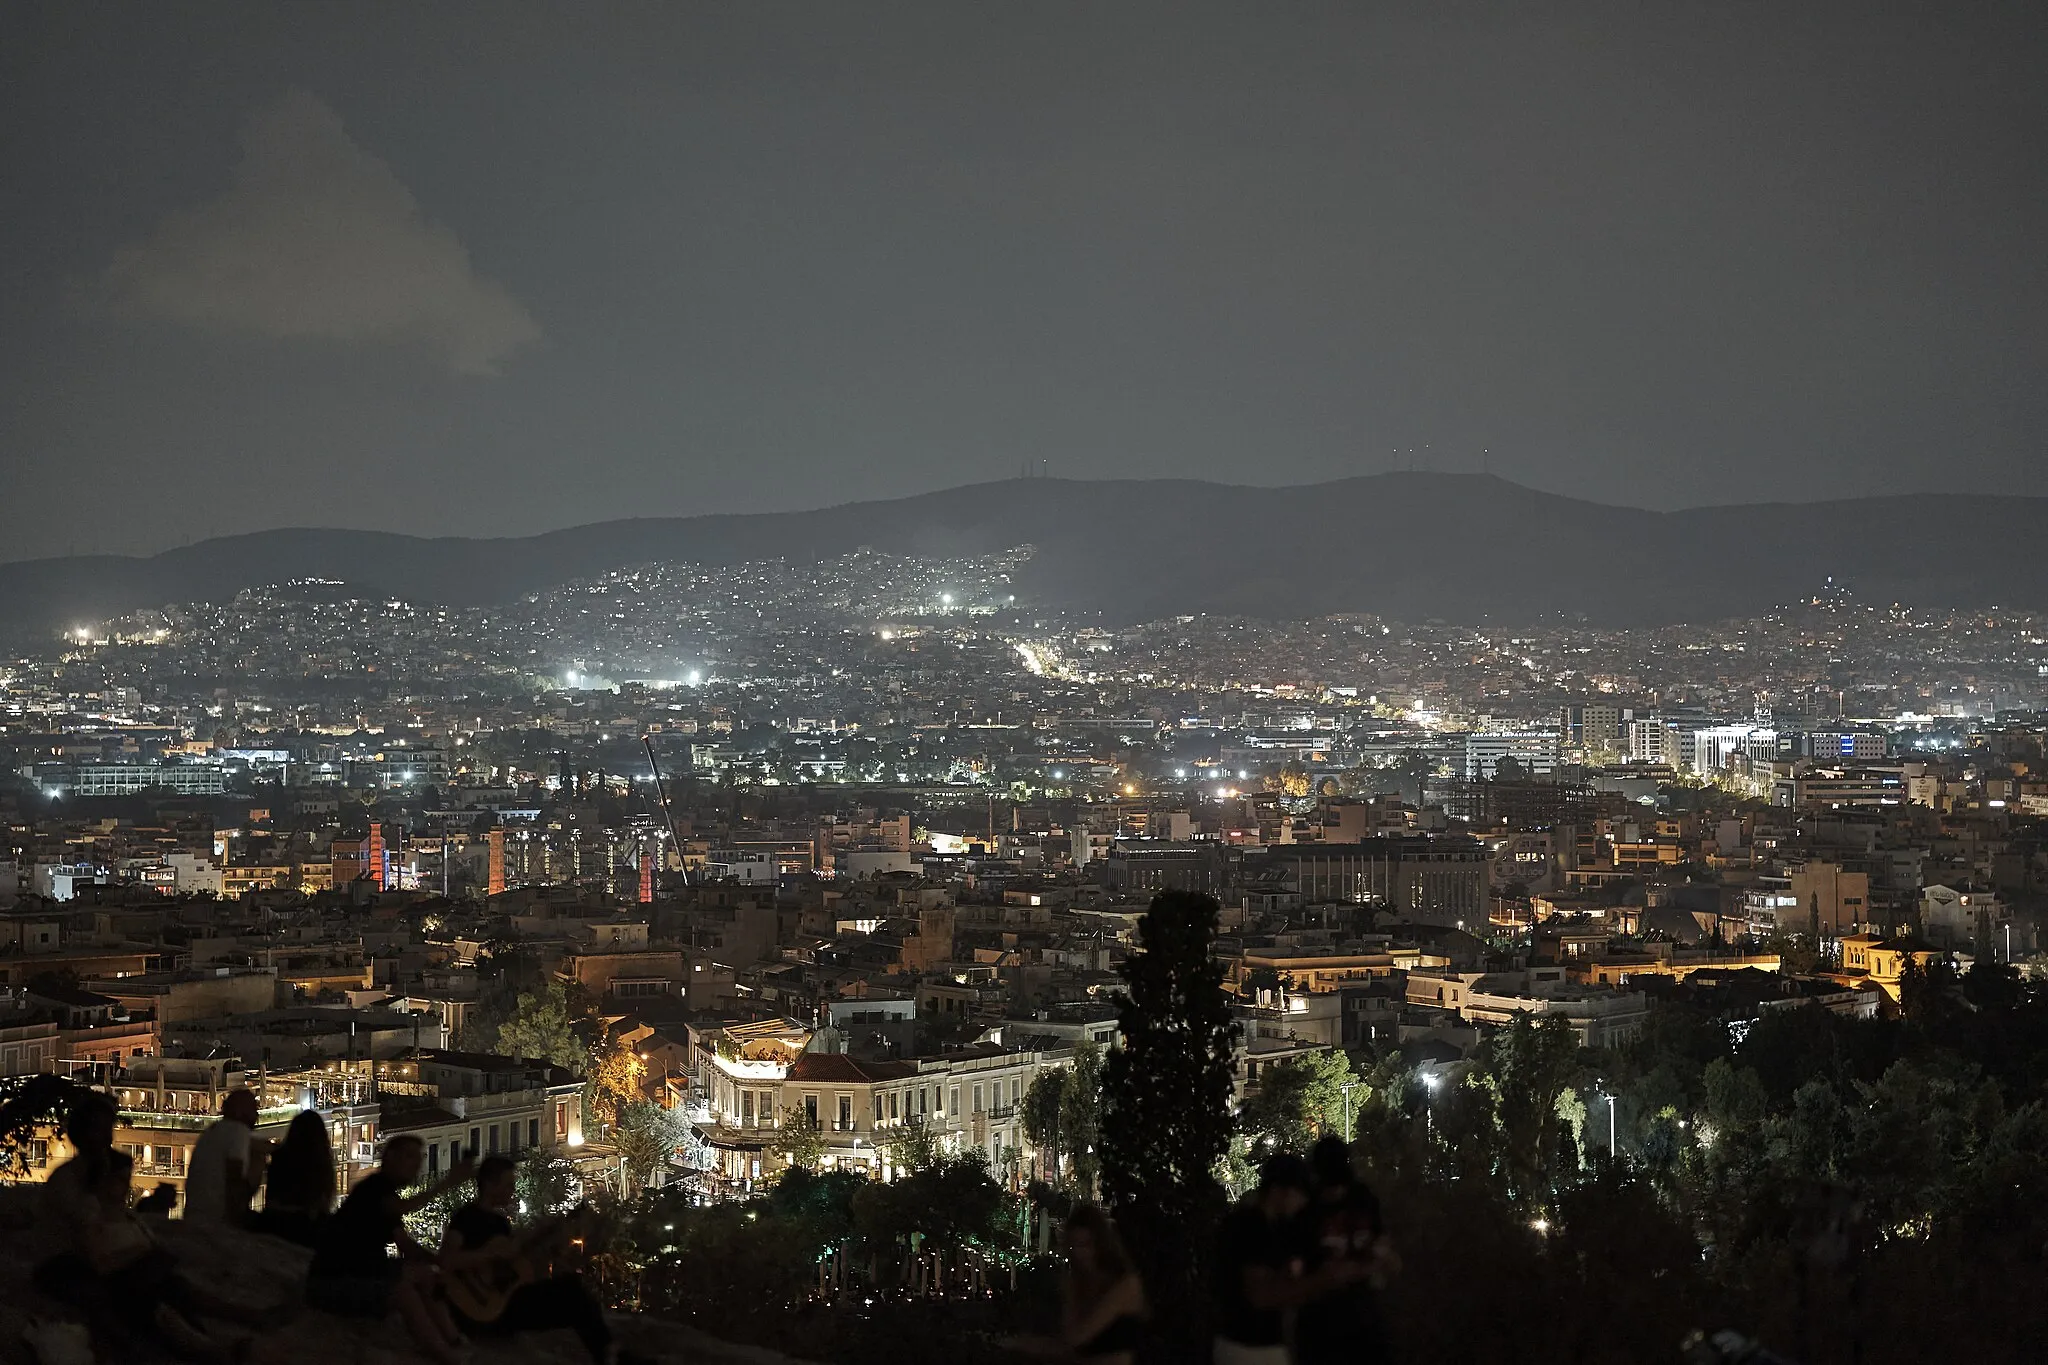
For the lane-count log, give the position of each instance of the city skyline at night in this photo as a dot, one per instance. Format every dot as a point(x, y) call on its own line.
point(1131, 683)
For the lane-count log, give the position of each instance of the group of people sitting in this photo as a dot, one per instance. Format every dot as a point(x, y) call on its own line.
point(115, 1269)
point(106, 1263)
point(1298, 1265)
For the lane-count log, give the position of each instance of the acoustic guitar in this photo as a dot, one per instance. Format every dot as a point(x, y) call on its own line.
point(481, 1289)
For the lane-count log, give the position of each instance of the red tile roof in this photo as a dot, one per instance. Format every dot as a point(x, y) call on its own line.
point(835, 1067)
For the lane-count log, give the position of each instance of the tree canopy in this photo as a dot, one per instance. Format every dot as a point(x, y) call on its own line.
point(544, 1025)
point(1297, 1101)
point(1063, 1120)
point(799, 1140)
point(1166, 1091)
point(618, 1079)
point(646, 1135)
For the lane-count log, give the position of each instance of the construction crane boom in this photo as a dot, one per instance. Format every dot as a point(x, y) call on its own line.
point(667, 815)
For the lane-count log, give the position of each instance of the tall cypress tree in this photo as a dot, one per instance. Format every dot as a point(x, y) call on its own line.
point(1166, 1118)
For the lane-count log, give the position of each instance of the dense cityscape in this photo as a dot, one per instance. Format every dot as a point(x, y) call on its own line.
point(684, 886)
point(1105, 683)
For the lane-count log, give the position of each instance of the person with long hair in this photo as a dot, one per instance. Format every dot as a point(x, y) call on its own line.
point(300, 1191)
point(1103, 1311)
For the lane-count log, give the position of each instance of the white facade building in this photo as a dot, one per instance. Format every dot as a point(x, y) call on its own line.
point(1534, 751)
point(1715, 745)
point(752, 869)
point(1652, 741)
point(751, 1080)
point(1834, 745)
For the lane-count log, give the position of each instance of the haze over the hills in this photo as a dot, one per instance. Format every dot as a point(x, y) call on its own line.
point(1411, 546)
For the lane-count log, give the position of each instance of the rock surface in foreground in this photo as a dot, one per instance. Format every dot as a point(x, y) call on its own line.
point(268, 1276)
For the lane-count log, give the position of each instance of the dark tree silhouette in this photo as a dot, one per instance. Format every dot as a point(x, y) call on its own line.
point(1166, 1120)
point(32, 1108)
point(1063, 1120)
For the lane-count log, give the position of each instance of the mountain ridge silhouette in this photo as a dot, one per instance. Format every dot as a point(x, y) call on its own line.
point(1413, 546)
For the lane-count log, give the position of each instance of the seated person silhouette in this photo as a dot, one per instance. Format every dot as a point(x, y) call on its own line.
point(513, 1288)
point(352, 1273)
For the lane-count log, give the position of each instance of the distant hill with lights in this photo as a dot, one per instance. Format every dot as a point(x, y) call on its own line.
point(1451, 547)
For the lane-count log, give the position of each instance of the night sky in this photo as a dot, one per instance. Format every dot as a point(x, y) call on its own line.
point(497, 269)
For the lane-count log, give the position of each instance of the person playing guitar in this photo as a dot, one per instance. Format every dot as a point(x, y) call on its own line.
point(500, 1281)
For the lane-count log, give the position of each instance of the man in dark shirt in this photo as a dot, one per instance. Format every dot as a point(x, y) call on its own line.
point(354, 1275)
point(482, 1231)
point(1342, 1222)
point(1261, 1266)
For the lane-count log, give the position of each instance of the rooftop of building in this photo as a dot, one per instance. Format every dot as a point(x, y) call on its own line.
point(839, 1067)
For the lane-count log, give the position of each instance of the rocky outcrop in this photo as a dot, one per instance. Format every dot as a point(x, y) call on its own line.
point(266, 1277)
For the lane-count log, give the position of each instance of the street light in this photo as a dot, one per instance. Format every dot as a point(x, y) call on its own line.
point(1429, 1107)
point(1347, 1088)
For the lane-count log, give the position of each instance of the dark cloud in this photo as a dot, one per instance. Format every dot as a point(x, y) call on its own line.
point(317, 239)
